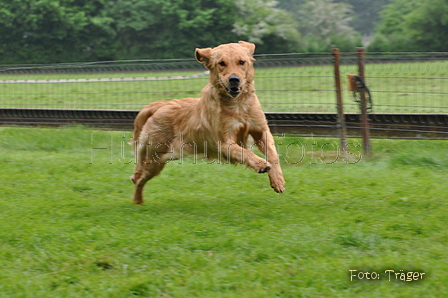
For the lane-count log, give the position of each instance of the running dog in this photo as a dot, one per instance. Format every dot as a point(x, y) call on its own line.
point(217, 125)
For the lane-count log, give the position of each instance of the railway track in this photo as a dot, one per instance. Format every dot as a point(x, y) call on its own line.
point(410, 126)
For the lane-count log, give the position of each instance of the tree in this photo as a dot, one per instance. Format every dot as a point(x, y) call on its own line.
point(427, 25)
point(271, 28)
point(411, 25)
point(54, 31)
point(174, 28)
point(170, 28)
point(50, 31)
point(366, 14)
point(326, 24)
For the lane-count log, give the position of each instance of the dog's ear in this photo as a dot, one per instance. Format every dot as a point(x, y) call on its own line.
point(203, 55)
point(248, 45)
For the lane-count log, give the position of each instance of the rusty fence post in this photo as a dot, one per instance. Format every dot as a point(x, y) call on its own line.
point(365, 130)
point(342, 130)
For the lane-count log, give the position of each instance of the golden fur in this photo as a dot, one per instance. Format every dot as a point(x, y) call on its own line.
point(217, 125)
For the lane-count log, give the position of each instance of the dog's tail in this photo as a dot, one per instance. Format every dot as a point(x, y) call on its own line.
point(142, 117)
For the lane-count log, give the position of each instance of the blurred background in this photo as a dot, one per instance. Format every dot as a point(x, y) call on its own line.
point(57, 31)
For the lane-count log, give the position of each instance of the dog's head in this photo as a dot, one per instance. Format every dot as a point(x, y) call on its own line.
point(231, 67)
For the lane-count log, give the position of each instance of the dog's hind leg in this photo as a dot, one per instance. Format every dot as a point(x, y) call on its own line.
point(142, 175)
point(147, 168)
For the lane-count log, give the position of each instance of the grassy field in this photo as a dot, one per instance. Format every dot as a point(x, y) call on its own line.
point(396, 87)
point(68, 228)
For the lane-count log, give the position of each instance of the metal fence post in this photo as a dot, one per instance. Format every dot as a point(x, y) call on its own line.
point(364, 116)
point(342, 130)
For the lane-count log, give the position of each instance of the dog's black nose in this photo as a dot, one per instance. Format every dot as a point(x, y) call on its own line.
point(234, 81)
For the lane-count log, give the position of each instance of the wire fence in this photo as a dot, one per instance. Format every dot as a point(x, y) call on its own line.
point(399, 83)
point(404, 82)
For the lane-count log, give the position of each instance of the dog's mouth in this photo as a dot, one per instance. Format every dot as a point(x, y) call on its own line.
point(233, 91)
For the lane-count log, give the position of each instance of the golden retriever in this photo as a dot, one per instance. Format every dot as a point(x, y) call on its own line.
point(216, 125)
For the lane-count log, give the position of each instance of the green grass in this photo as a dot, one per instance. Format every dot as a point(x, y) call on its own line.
point(396, 87)
point(68, 228)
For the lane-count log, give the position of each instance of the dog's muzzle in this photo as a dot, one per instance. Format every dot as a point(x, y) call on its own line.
point(234, 88)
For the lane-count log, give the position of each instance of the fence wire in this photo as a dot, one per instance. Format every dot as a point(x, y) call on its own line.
point(300, 83)
point(399, 83)
point(403, 82)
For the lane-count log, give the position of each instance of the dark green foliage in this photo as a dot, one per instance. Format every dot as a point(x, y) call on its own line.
point(52, 31)
point(49, 31)
point(168, 29)
point(413, 26)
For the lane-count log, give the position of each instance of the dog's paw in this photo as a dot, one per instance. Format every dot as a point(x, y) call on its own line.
point(264, 167)
point(279, 188)
point(278, 184)
point(264, 170)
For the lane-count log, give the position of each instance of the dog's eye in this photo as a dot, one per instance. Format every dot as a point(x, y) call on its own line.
point(222, 63)
point(242, 62)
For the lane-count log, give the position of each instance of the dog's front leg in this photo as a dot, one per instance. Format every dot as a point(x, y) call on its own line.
point(234, 153)
point(265, 143)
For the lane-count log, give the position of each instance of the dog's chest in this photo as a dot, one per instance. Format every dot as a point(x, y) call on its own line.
point(234, 121)
point(237, 130)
